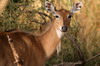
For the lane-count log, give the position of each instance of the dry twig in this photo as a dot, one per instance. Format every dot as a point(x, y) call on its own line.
point(93, 57)
point(15, 54)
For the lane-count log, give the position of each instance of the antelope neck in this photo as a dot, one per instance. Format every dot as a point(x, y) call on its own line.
point(50, 40)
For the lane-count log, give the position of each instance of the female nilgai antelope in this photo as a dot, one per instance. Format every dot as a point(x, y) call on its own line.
point(34, 50)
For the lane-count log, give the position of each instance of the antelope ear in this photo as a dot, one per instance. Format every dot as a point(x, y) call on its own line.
point(76, 7)
point(49, 7)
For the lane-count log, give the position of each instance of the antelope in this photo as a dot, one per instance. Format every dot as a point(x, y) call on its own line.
point(32, 49)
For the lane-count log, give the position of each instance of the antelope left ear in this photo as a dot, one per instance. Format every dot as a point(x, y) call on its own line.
point(76, 7)
point(49, 7)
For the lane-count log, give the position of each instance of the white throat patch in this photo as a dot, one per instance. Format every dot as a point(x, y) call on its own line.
point(59, 33)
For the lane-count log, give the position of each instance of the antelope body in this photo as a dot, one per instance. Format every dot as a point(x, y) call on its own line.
point(32, 49)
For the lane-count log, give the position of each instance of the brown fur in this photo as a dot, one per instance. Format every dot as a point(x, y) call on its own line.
point(33, 50)
point(27, 46)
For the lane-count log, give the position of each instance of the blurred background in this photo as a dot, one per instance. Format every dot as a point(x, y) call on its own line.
point(26, 15)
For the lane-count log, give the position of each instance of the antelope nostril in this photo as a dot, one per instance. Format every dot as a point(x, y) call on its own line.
point(64, 28)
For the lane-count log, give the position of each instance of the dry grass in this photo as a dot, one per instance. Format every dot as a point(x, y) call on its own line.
point(89, 20)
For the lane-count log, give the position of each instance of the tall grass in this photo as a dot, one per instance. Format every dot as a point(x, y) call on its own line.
point(89, 20)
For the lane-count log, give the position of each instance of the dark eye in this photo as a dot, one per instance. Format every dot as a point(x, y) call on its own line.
point(57, 16)
point(69, 16)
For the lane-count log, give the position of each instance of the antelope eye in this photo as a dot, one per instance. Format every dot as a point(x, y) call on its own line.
point(69, 16)
point(57, 16)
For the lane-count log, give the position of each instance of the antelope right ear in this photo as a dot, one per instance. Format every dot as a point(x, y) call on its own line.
point(76, 7)
point(49, 7)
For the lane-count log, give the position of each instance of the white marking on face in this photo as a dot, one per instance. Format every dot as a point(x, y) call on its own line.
point(59, 32)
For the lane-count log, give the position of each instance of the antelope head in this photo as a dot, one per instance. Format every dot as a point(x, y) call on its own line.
point(62, 17)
